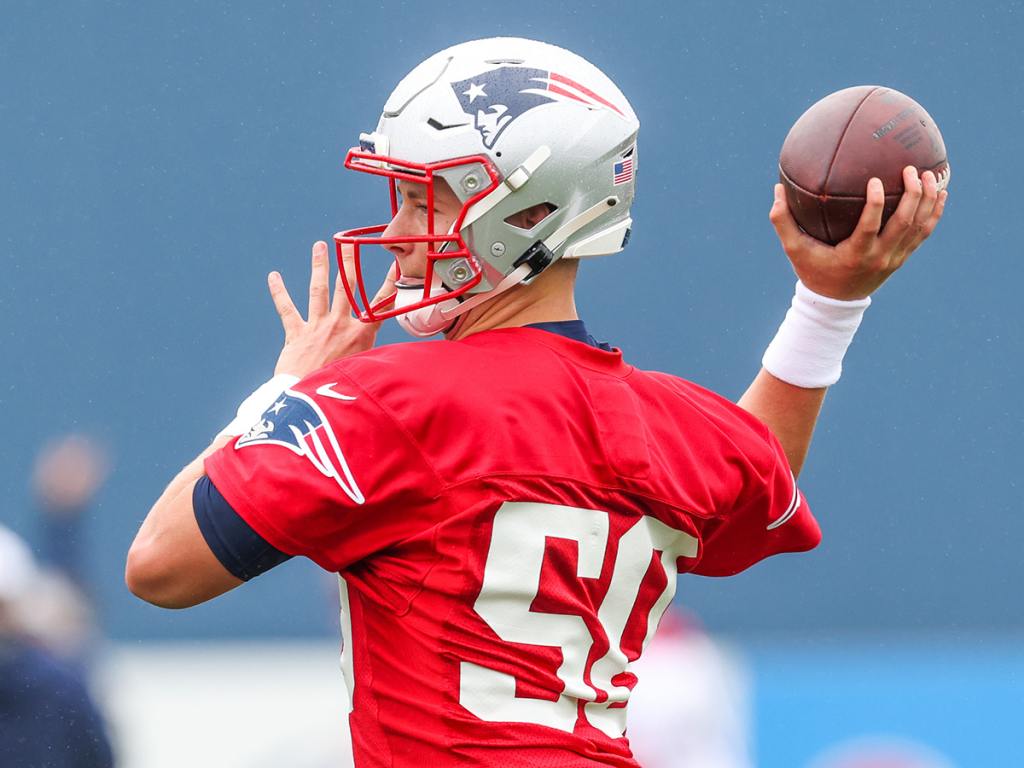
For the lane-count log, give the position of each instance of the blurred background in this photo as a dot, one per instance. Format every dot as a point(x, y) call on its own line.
point(158, 159)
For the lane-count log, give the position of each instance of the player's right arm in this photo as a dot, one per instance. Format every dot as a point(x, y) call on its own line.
point(849, 271)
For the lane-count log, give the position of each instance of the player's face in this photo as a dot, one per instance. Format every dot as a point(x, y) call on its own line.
point(411, 219)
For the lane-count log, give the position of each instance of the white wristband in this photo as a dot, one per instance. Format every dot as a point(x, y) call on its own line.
point(255, 404)
point(808, 350)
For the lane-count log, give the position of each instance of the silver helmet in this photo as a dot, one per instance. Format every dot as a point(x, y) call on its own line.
point(509, 124)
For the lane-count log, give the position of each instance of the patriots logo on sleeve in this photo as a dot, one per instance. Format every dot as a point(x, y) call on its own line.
point(296, 422)
point(497, 97)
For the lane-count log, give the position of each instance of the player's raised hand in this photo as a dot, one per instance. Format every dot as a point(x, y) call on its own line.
point(330, 331)
point(857, 266)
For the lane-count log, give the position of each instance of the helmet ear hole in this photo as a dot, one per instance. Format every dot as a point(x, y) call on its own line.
point(528, 218)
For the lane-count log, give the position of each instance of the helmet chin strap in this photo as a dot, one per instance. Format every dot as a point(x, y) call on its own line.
point(442, 316)
point(425, 321)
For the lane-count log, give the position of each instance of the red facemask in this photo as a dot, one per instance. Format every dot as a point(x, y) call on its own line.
point(439, 246)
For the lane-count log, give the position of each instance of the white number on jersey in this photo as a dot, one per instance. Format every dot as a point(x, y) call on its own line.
point(511, 583)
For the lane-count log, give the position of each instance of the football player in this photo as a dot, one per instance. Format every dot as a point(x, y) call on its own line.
point(507, 508)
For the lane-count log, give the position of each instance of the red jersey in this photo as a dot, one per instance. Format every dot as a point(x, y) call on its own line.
point(507, 514)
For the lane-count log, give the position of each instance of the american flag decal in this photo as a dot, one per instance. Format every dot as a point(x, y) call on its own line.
point(622, 171)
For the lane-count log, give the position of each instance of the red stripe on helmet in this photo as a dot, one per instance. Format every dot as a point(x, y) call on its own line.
point(582, 89)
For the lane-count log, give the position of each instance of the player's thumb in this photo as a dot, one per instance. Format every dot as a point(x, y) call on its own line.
point(781, 218)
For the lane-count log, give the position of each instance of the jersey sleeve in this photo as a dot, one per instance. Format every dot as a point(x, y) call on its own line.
point(239, 548)
point(770, 515)
point(328, 474)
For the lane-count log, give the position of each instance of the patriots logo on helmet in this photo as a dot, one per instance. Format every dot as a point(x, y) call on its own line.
point(497, 97)
point(296, 422)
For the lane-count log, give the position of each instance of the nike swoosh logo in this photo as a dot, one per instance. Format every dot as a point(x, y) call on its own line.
point(439, 126)
point(327, 391)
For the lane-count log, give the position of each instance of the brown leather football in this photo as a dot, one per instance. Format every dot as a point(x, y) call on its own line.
point(845, 139)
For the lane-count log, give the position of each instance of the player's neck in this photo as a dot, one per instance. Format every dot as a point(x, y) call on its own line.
point(547, 299)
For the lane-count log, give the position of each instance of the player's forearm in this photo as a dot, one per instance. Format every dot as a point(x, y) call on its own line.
point(789, 411)
point(803, 360)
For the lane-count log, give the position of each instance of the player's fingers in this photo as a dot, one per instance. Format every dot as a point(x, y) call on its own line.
point(340, 305)
point(937, 211)
point(290, 317)
point(919, 228)
point(346, 278)
point(863, 236)
point(319, 275)
point(899, 229)
point(929, 199)
point(925, 228)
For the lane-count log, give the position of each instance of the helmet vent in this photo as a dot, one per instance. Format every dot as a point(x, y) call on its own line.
point(529, 218)
point(504, 61)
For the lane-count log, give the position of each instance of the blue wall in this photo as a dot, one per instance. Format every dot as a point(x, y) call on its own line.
point(962, 701)
point(159, 158)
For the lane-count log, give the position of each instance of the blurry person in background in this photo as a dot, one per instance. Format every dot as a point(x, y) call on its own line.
point(691, 706)
point(67, 474)
point(47, 718)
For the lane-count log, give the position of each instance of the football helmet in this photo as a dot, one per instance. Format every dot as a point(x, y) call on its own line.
point(508, 124)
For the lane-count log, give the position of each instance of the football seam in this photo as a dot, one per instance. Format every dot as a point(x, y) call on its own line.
point(820, 209)
point(937, 169)
point(835, 154)
point(820, 197)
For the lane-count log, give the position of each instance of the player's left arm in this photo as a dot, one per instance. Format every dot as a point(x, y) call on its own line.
point(849, 271)
point(170, 563)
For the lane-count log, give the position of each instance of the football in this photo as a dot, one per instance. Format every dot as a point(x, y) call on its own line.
point(844, 140)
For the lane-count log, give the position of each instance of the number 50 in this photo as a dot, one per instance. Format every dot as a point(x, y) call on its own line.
point(512, 581)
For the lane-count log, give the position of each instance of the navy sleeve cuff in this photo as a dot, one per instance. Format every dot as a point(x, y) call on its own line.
point(239, 548)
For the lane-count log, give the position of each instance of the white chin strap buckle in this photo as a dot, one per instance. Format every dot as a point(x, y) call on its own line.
point(428, 320)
